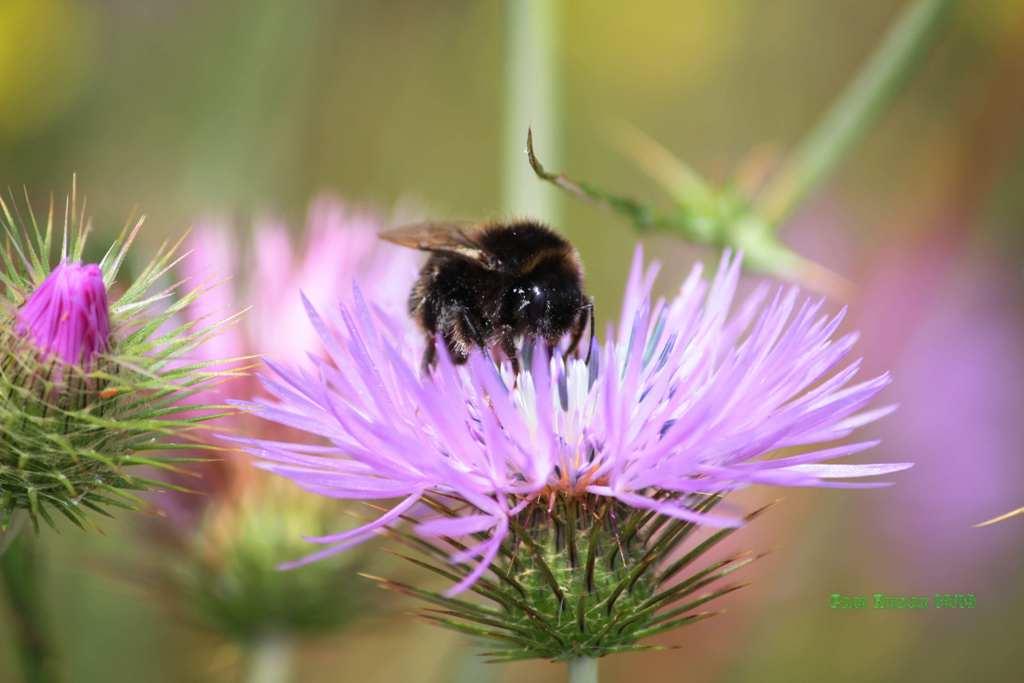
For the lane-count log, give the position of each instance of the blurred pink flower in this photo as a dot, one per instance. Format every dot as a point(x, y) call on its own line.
point(952, 329)
point(945, 317)
point(340, 248)
point(268, 275)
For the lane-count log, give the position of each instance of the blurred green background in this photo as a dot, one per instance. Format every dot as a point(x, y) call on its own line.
point(250, 107)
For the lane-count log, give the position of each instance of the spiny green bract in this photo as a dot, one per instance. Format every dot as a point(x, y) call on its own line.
point(69, 435)
point(581, 576)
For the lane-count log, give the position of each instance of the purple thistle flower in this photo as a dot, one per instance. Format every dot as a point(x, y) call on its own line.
point(67, 315)
point(685, 398)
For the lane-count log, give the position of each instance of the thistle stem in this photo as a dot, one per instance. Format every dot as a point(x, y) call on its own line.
point(14, 527)
point(583, 670)
point(22, 575)
point(270, 660)
point(857, 108)
point(531, 99)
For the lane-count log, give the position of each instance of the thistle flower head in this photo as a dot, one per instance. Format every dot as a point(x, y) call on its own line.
point(578, 477)
point(87, 386)
point(67, 315)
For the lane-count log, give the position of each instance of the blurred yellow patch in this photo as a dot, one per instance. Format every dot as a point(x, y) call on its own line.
point(993, 21)
point(657, 45)
point(47, 48)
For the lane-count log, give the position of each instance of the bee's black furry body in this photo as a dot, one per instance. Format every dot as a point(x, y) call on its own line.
point(520, 279)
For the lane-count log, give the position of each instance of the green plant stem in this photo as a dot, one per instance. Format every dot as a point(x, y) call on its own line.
point(531, 99)
point(21, 570)
point(583, 670)
point(856, 110)
point(270, 660)
point(14, 527)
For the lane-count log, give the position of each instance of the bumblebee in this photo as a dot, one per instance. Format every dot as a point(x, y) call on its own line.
point(487, 285)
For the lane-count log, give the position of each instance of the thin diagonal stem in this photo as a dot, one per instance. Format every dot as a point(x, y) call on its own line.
point(857, 109)
point(1003, 517)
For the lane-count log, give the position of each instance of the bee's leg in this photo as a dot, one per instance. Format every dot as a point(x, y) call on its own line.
point(460, 335)
point(593, 328)
point(457, 339)
point(429, 355)
point(470, 331)
point(464, 336)
point(585, 316)
point(577, 333)
point(457, 347)
point(508, 345)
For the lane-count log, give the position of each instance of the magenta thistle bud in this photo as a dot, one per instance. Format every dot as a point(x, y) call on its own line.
point(67, 316)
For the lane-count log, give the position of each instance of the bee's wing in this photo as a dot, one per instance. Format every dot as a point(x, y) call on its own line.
point(449, 238)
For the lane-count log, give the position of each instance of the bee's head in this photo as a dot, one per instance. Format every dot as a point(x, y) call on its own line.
point(544, 304)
